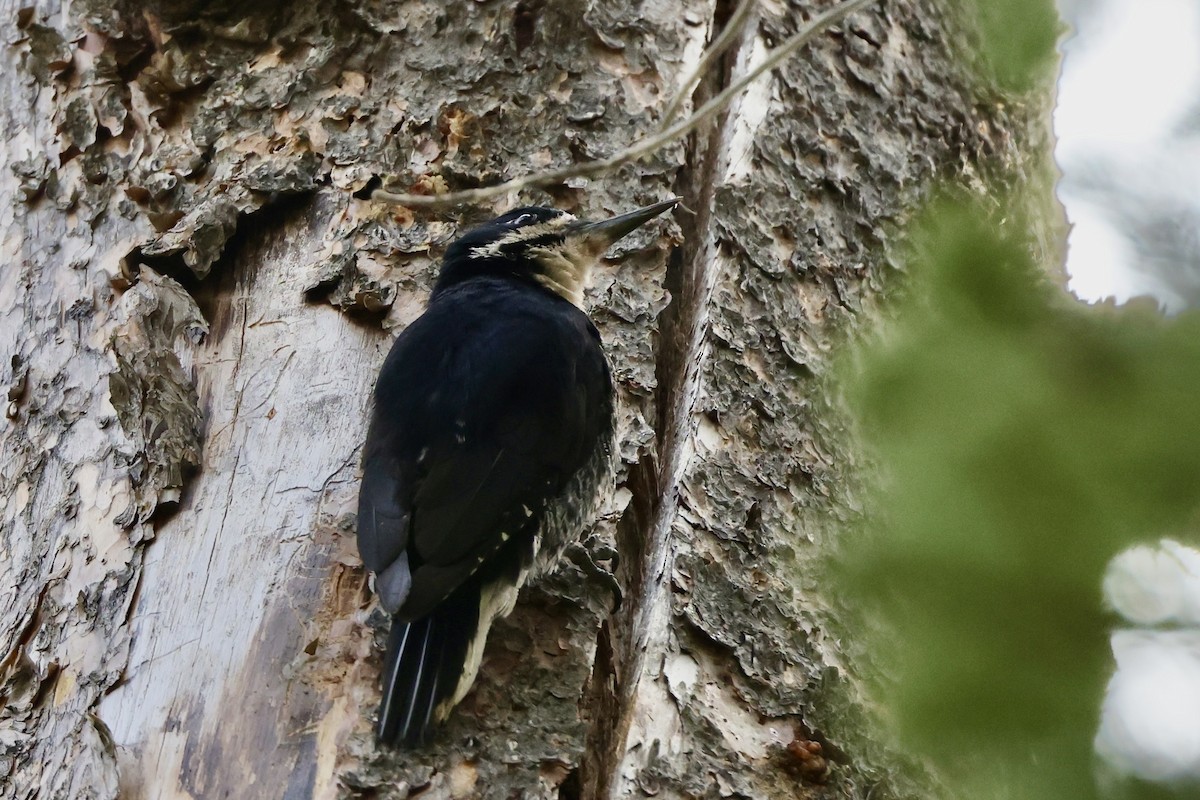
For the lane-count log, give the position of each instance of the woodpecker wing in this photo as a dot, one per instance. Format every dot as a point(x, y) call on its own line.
point(485, 408)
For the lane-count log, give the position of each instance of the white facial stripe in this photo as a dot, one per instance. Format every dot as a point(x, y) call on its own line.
point(523, 234)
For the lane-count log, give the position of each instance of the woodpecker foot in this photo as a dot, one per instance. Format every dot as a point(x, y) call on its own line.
point(585, 556)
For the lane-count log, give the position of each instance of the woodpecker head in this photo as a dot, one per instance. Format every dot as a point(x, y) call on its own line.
point(543, 245)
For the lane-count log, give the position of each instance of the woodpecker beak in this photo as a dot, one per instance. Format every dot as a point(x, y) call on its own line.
point(563, 267)
point(597, 237)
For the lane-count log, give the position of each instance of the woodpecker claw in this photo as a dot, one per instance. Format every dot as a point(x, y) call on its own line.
point(583, 558)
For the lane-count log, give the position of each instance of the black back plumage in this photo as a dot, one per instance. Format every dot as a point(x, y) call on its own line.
point(486, 408)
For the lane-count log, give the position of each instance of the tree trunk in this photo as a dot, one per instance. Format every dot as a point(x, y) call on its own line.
point(194, 301)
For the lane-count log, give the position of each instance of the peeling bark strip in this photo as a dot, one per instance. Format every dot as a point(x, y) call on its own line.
point(639, 634)
point(188, 618)
point(155, 402)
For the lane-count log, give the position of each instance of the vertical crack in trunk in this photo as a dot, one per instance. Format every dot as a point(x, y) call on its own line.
point(627, 638)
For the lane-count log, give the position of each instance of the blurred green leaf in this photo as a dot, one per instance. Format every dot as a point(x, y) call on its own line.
point(1017, 40)
point(1025, 439)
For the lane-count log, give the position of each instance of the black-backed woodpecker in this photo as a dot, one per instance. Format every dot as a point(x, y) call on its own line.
point(489, 445)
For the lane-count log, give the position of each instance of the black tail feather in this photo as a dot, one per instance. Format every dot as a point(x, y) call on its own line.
point(425, 661)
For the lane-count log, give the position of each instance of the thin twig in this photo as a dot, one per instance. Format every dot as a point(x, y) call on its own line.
point(728, 35)
point(645, 146)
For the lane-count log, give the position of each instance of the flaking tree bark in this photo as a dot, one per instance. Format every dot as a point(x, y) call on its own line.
point(196, 292)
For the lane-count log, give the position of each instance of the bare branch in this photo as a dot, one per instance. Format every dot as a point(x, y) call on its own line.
point(646, 146)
